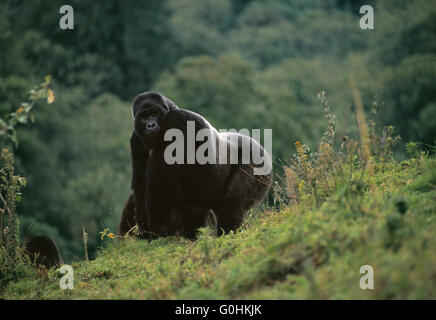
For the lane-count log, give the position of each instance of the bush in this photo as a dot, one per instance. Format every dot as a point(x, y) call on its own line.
point(13, 261)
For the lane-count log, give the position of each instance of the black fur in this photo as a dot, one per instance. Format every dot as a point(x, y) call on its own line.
point(185, 221)
point(171, 199)
point(43, 251)
point(128, 216)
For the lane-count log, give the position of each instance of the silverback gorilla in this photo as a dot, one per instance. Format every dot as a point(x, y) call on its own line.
point(175, 197)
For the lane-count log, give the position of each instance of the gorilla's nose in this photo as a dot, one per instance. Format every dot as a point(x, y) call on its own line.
point(151, 127)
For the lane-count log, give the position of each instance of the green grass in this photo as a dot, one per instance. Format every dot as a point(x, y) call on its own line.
point(302, 251)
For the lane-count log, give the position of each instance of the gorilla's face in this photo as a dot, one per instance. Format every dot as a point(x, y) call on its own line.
point(149, 110)
point(148, 126)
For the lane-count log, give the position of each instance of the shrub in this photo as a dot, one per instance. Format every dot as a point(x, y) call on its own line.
point(13, 261)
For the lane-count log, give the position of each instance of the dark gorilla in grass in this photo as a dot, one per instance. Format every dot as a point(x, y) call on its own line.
point(184, 223)
point(176, 198)
point(43, 250)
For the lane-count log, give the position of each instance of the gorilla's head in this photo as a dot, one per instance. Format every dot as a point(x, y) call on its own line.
point(149, 110)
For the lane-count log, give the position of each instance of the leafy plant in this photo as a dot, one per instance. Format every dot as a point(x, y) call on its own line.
point(12, 258)
point(23, 114)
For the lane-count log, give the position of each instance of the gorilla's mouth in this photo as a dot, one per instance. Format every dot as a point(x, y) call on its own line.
point(151, 133)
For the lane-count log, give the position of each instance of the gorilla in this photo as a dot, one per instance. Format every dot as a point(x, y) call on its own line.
point(128, 216)
point(174, 190)
point(43, 251)
point(193, 218)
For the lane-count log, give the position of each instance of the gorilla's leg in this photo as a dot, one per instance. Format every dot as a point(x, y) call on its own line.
point(234, 203)
point(229, 216)
point(160, 219)
point(192, 219)
point(128, 216)
point(184, 221)
point(243, 191)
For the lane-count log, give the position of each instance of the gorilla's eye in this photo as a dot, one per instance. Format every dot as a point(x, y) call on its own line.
point(150, 114)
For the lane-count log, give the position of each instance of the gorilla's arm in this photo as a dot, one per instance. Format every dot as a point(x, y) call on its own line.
point(139, 163)
point(128, 220)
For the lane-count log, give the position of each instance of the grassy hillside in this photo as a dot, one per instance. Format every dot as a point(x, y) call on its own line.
point(312, 247)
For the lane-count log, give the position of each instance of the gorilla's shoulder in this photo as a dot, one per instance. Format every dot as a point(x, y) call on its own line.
point(179, 118)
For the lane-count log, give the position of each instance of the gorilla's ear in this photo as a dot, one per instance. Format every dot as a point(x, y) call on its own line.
point(158, 97)
point(171, 105)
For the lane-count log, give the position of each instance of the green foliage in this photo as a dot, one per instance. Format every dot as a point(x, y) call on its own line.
point(114, 47)
point(425, 183)
point(12, 259)
point(90, 156)
point(268, 33)
point(346, 211)
point(205, 84)
point(410, 88)
point(22, 115)
point(299, 252)
point(242, 64)
point(198, 26)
